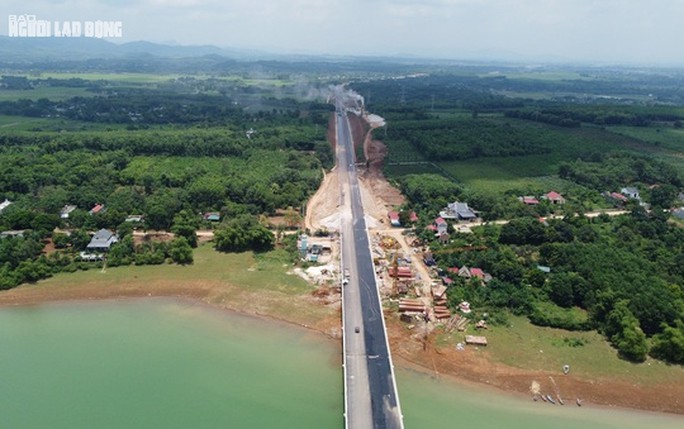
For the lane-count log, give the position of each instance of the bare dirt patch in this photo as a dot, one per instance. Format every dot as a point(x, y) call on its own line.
point(378, 195)
point(322, 208)
point(140, 237)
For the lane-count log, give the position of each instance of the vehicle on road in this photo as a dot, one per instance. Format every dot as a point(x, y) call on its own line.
point(357, 329)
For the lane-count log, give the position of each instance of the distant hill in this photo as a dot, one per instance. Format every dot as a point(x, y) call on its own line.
point(29, 50)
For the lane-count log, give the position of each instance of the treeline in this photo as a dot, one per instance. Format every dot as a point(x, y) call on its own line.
point(613, 171)
point(561, 120)
point(466, 138)
point(574, 116)
point(151, 108)
point(194, 142)
point(489, 89)
point(434, 91)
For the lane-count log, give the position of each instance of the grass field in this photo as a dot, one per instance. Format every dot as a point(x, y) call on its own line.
point(49, 92)
point(151, 78)
point(523, 345)
point(666, 144)
point(23, 123)
point(243, 281)
point(115, 77)
point(498, 175)
point(245, 270)
point(406, 169)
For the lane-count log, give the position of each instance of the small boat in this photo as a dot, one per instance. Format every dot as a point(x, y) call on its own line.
point(579, 402)
point(550, 399)
point(560, 400)
point(544, 398)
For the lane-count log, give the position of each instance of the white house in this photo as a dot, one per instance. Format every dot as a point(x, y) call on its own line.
point(102, 241)
point(631, 193)
point(458, 211)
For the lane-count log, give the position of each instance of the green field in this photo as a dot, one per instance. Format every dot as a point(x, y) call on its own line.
point(55, 93)
point(540, 75)
point(497, 174)
point(25, 124)
point(524, 345)
point(659, 137)
point(245, 270)
point(245, 281)
point(114, 77)
point(395, 170)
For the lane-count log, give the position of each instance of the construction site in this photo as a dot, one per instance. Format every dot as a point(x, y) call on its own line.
point(411, 290)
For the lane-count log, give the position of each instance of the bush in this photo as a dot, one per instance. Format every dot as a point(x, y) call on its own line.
point(669, 345)
point(553, 316)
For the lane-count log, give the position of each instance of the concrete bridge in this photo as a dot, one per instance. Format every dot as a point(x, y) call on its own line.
point(370, 391)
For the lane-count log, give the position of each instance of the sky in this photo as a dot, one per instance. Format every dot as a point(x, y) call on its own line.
point(598, 31)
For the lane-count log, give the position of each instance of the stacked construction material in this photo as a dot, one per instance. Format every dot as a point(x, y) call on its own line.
point(411, 305)
point(442, 312)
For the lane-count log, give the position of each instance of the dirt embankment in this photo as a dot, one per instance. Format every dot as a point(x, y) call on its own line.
point(322, 208)
point(379, 196)
point(473, 365)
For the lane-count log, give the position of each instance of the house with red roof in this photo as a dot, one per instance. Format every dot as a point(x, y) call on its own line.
point(394, 218)
point(618, 196)
point(413, 217)
point(441, 225)
point(529, 200)
point(477, 273)
point(99, 208)
point(554, 198)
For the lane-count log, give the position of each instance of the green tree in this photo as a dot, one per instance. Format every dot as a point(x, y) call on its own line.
point(631, 343)
point(60, 240)
point(180, 251)
point(121, 253)
point(79, 239)
point(185, 225)
point(624, 332)
point(669, 344)
point(243, 233)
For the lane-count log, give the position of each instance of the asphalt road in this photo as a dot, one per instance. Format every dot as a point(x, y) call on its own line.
point(371, 399)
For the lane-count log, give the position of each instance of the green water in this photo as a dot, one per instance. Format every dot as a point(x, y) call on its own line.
point(161, 364)
point(168, 364)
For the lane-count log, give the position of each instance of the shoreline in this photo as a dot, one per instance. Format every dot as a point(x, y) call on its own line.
point(469, 377)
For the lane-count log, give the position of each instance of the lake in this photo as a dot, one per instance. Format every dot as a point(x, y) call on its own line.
point(164, 363)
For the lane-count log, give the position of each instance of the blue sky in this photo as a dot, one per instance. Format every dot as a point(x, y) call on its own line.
point(605, 31)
